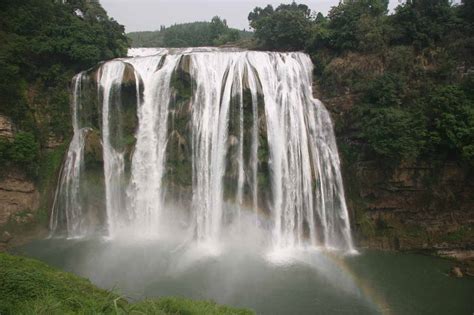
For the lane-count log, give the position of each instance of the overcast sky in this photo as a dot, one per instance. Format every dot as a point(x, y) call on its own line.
point(148, 15)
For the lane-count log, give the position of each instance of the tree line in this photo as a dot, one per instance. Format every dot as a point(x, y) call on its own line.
point(196, 34)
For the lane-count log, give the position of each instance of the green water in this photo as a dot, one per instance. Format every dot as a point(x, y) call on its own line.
point(300, 283)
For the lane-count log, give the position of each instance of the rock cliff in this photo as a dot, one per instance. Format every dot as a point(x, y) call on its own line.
point(423, 206)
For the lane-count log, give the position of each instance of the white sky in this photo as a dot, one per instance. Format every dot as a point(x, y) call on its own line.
point(148, 15)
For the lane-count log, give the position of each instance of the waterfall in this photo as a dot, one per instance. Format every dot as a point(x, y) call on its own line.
point(231, 131)
point(145, 189)
point(67, 206)
point(110, 77)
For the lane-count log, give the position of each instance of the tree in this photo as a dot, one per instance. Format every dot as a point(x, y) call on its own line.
point(423, 23)
point(451, 117)
point(24, 148)
point(392, 134)
point(43, 44)
point(358, 24)
point(287, 27)
point(198, 34)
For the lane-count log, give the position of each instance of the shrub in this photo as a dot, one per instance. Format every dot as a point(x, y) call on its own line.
point(24, 148)
point(451, 118)
point(392, 133)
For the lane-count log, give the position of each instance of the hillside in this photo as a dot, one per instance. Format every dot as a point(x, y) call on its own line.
point(194, 34)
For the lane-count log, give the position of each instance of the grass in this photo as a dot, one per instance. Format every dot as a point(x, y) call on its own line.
point(28, 286)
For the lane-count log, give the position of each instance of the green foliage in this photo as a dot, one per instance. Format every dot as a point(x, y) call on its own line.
point(23, 152)
point(407, 74)
point(24, 148)
point(176, 305)
point(48, 169)
point(392, 133)
point(146, 38)
point(43, 43)
point(451, 116)
point(4, 148)
point(384, 91)
point(423, 22)
point(286, 27)
point(463, 233)
point(188, 35)
point(75, 33)
point(196, 34)
point(31, 287)
point(358, 24)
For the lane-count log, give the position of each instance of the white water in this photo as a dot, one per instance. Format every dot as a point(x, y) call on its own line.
point(306, 204)
point(145, 190)
point(110, 78)
point(67, 206)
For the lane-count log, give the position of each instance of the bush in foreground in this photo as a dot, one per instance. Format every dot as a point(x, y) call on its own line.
point(28, 286)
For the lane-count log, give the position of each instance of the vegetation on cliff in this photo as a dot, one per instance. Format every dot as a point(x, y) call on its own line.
point(44, 43)
point(196, 34)
point(32, 287)
point(410, 72)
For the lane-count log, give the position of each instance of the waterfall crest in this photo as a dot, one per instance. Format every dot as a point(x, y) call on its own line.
point(220, 133)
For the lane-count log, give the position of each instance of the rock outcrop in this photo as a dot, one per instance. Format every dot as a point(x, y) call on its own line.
point(17, 195)
point(6, 128)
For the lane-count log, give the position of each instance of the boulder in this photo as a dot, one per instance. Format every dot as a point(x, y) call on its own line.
point(93, 147)
point(456, 272)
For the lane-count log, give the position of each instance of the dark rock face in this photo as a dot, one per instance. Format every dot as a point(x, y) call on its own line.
point(422, 206)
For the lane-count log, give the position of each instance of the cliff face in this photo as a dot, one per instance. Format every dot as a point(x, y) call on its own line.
point(423, 206)
point(20, 199)
point(17, 194)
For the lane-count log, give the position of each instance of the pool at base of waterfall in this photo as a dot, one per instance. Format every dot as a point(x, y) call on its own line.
point(297, 281)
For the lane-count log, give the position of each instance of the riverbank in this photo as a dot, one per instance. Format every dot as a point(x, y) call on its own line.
point(32, 287)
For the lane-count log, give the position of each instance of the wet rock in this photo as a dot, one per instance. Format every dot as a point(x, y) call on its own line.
point(129, 75)
point(456, 272)
point(425, 207)
point(6, 128)
point(54, 142)
point(93, 147)
point(6, 237)
point(233, 140)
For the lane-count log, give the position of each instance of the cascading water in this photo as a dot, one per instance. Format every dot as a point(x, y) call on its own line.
point(67, 206)
point(110, 77)
point(232, 131)
point(145, 191)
